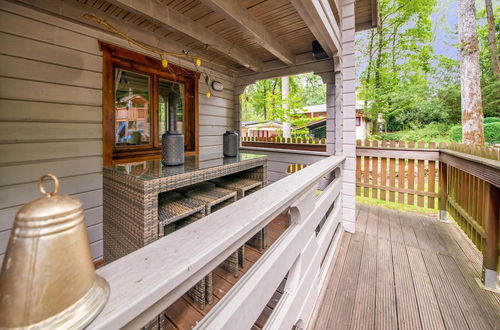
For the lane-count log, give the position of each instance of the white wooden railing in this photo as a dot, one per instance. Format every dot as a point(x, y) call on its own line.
point(147, 281)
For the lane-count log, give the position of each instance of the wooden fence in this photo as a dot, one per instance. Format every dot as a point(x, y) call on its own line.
point(470, 193)
point(459, 179)
point(307, 144)
point(298, 140)
point(399, 172)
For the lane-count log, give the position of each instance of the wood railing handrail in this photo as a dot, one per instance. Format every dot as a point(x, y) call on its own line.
point(148, 280)
point(483, 168)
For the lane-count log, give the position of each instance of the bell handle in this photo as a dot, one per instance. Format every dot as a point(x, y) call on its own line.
point(56, 184)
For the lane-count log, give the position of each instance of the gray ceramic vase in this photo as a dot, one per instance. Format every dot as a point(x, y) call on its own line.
point(230, 144)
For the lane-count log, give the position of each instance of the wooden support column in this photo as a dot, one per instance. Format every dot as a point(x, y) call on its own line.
point(237, 110)
point(443, 191)
point(490, 251)
point(331, 111)
point(347, 76)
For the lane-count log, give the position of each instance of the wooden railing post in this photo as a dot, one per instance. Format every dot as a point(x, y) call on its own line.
point(490, 251)
point(443, 191)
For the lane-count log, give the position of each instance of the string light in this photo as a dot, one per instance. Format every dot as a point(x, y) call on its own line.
point(164, 62)
point(161, 53)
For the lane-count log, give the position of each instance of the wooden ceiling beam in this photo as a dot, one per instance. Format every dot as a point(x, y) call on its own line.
point(168, 17)
point(239, 16)
point(375, 16)
point(318, 15)
point(75, 11)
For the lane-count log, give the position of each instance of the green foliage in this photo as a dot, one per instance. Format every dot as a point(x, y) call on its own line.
point(300, 133)
point(414, 113)
point(404, 80)
point(434, 132)
point(303, 121)
point(491, 98)
point(456, 133)
point(263, 100)
point(398, 57)
point(488, 120)
point(491, 132)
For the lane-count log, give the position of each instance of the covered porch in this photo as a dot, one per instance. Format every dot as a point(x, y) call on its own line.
point(75, 96)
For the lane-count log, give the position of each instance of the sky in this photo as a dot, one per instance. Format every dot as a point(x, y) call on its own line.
point(445, 28)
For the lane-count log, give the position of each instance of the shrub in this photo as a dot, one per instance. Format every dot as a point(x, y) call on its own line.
point(456, 133)
point(434, 132)
point(488, 120)
point(491, 132)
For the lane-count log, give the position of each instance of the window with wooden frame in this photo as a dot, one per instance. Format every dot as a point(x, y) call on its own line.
point(135, 100)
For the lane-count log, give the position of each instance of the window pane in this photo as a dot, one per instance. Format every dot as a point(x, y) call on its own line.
point(174, 92)
point(132, 111)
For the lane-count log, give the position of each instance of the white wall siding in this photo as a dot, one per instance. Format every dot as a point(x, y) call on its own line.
point(51, 113)
point(348, 113)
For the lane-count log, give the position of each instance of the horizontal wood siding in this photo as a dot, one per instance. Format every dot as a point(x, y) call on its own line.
point(51, 113)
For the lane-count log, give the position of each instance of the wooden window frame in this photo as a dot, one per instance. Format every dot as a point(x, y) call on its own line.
point(115, 57)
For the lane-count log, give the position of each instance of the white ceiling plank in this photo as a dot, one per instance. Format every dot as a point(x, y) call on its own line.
point(168, 17)
point(234, 12)
point(75, 12)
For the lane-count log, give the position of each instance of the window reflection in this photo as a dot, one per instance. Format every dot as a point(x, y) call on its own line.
point(167, 122)
point(132, 110)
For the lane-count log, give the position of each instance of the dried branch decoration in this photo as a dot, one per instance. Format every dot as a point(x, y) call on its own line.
point(197, 61)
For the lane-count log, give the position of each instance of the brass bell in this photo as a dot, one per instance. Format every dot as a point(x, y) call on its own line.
point(48, 279)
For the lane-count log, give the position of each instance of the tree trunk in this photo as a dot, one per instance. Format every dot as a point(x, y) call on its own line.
point(492, 39)
point(472, 107)
point(265, 101)
point(369, 68)
point(378, 63)
point(285, 91)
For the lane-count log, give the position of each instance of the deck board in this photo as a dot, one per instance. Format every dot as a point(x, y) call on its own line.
point(405, 271)
point(349, 276)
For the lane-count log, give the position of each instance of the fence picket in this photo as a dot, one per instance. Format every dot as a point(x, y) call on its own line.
point(366, 171)
point(401, 175)
point(411, 176)
point(431, 181)
point(392, 174)
point(358, 171)
point(383, 173)
point(421, 177)
point(375, 172)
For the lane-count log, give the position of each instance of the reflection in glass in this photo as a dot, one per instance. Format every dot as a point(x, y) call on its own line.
point(167, 87)
point(132, 111)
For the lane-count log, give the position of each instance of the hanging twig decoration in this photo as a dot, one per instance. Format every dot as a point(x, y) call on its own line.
point(197, 61)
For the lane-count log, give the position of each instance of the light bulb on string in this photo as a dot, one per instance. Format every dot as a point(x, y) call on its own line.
point(164, 62)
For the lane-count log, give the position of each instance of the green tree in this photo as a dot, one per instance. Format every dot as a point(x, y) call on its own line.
point(397, 58)
point(263, 100)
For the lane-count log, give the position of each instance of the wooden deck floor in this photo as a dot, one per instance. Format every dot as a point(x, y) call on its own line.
point(405, 271)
